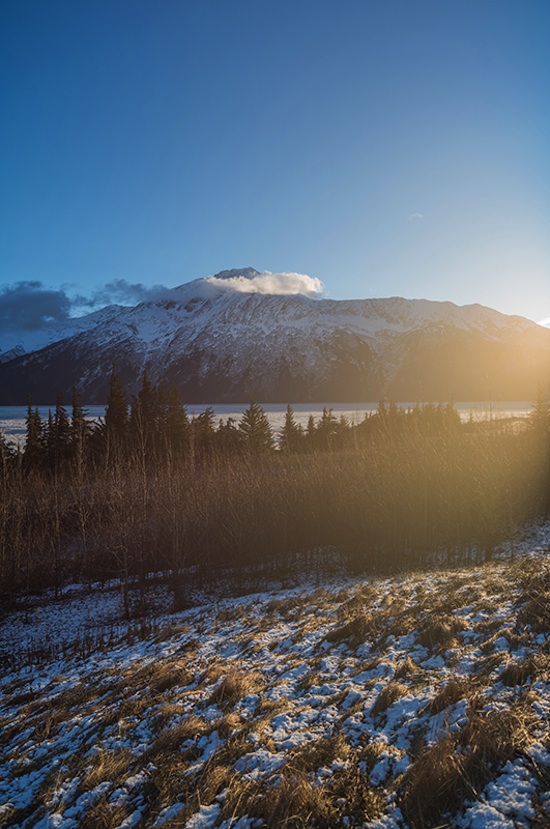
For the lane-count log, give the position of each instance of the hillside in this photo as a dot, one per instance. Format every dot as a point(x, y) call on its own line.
point(220, 344)
point(413, 701)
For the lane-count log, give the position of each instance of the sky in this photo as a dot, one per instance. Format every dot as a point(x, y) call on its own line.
point(382, 147)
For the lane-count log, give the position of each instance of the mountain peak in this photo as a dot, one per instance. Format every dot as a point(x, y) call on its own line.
point(244, 334)
point(234, 273)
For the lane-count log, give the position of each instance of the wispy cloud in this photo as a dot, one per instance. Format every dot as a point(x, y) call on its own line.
point(272, 283)
point(120, 291)
point(415, 216)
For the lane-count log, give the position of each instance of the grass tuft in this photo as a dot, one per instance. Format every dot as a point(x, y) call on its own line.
point(460, 765)
point(233, 687)
point(389, 694)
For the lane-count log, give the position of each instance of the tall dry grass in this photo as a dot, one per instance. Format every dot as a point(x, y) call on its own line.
point(391, 502)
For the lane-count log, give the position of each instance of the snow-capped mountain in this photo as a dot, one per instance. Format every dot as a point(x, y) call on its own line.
point(227, 339)
point(16, 343)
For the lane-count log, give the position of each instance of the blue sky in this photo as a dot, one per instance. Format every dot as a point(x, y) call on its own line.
point(384, 147)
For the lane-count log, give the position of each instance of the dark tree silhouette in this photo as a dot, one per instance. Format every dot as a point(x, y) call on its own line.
point(256, 431)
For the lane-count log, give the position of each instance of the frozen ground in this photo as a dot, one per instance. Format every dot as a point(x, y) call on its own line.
point(415, 701)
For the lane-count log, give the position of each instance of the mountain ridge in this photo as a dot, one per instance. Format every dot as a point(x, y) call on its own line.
point(220, 343)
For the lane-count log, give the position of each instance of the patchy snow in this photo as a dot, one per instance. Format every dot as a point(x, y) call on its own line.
point(161, 720)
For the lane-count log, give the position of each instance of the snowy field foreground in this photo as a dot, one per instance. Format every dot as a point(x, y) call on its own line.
point(414, 701)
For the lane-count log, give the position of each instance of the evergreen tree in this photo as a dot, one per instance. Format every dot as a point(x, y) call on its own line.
point(78, 417)
point(326, 429)
point(6, 454)
point(34, 455)
point(148, 398)
point(62, 433)
point(344, 432)
point(48, 439)
point(116, 413)
point(539, 416)
point(290, 438)
point(146, 418)
point(202, 434)
point(176, 423)
point(255, 429)
point(451, 417)
point(229, 437)
point(311, 433)
point(79, 429)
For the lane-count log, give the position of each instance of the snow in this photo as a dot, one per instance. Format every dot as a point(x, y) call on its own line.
point(205, 818)
point(169, 813)
point(91, 696)
point(238, 331)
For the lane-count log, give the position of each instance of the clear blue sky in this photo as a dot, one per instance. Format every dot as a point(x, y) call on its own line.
point(385, 147)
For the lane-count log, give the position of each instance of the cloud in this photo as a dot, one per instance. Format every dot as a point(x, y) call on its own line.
point(272, 283)
point(30, 306)
point(121, 292)
point(545, 322)
point(414, 216)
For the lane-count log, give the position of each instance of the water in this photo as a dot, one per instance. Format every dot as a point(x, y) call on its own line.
point(12, 418)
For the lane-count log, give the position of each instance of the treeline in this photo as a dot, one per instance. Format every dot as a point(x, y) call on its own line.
point(155, 426)
point(149, 489)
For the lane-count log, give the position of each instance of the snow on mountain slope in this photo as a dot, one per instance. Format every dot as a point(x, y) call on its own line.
point(219, 342)
point(16, 343)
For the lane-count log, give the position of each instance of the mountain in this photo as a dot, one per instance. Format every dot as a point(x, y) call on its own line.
point(221, 339)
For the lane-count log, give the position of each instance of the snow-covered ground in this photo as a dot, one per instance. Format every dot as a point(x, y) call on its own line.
point(413, 701)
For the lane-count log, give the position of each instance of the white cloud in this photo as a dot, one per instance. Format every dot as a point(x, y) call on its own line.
point(272, 283)
point(416, 216)
point(545, 322)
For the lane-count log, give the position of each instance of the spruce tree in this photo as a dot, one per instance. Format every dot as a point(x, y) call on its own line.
point(116, 413)
point(539, 417)
point(78, 417)
point(290, 437)
point(149, 403)
point(311, 433)
point(229, 438)
point(326, 429)
point(62, 433)
point(79, 428)
point(176, 423)
point(146, 418)
point(6, 454)
point(35, 452)
point(202, 434)
point(116, 420)
point(255, 429)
